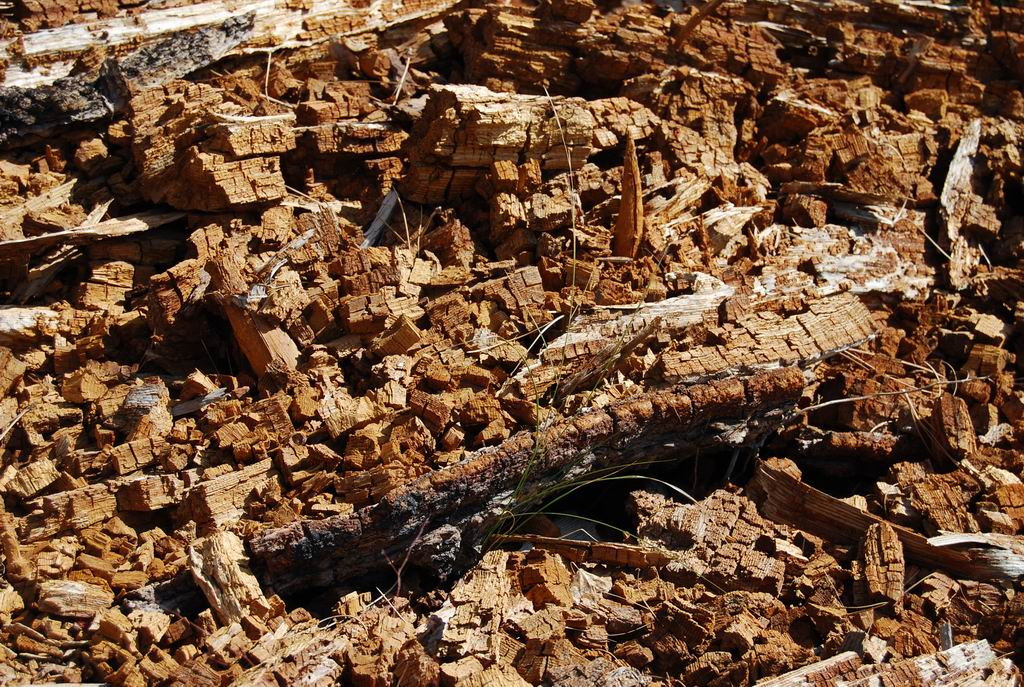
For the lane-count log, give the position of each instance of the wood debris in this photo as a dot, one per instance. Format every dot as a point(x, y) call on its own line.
point(563, 343)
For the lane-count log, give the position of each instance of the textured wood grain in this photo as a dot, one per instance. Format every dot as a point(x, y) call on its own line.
point(884, 568)
point(221, 570)
point(629, 227)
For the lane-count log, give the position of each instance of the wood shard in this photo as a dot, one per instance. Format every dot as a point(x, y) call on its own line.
point(957, 196)
point(792, 502)
point(883, 569)
point(73, 599)
point(221, 570)
point(629, 227)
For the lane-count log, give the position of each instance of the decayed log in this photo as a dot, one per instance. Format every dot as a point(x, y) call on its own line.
point(755, 340)
point(584, 442)
point(398, 394)
point(964, 664)
point(445, 515)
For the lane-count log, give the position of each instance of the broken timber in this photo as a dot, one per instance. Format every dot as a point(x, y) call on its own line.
point(788, 500)
point(455, 508)
point(259, 396)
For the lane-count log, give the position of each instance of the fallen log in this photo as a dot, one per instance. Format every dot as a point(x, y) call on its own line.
point(443, 518)
point(686, 416)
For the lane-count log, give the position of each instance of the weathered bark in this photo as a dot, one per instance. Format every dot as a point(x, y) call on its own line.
point(445, 516)
point(72, 100)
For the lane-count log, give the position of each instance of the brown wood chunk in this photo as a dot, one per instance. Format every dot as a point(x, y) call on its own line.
point(73, 599)
point(220, 568)
point(629, 227)
point(883, 566)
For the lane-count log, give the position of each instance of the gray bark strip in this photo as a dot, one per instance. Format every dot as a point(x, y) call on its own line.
point(77, 100)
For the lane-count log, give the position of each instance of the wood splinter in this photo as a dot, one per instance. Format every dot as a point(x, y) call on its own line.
point(629, 227)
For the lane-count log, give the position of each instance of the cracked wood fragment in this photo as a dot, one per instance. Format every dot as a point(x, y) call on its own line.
point(954, 438)
point(221, 570)
point(629, 227)
point(478, 605)
point(261, 341)
point(767, 339)
point(883, 567)
point(221, 499)
point(964, 664)
point(717, 540)
point(955, 202)
point(785, 499)
point(828, 671)
point(18, 569)
point(465, 129)
point(73, 599)
point(33, 478)
point(758, 340)
point(970, 663)
point(88, 232)
point(74, 509)
point(41, 57)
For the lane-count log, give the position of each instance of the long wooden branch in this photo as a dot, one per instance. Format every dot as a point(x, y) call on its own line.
point(444, 517)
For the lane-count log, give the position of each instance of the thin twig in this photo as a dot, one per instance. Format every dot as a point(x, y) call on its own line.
point(401, 82)
point(405, 560)
point(12, 423)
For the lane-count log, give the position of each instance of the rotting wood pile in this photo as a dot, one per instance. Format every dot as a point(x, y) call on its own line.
point(426, 343)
